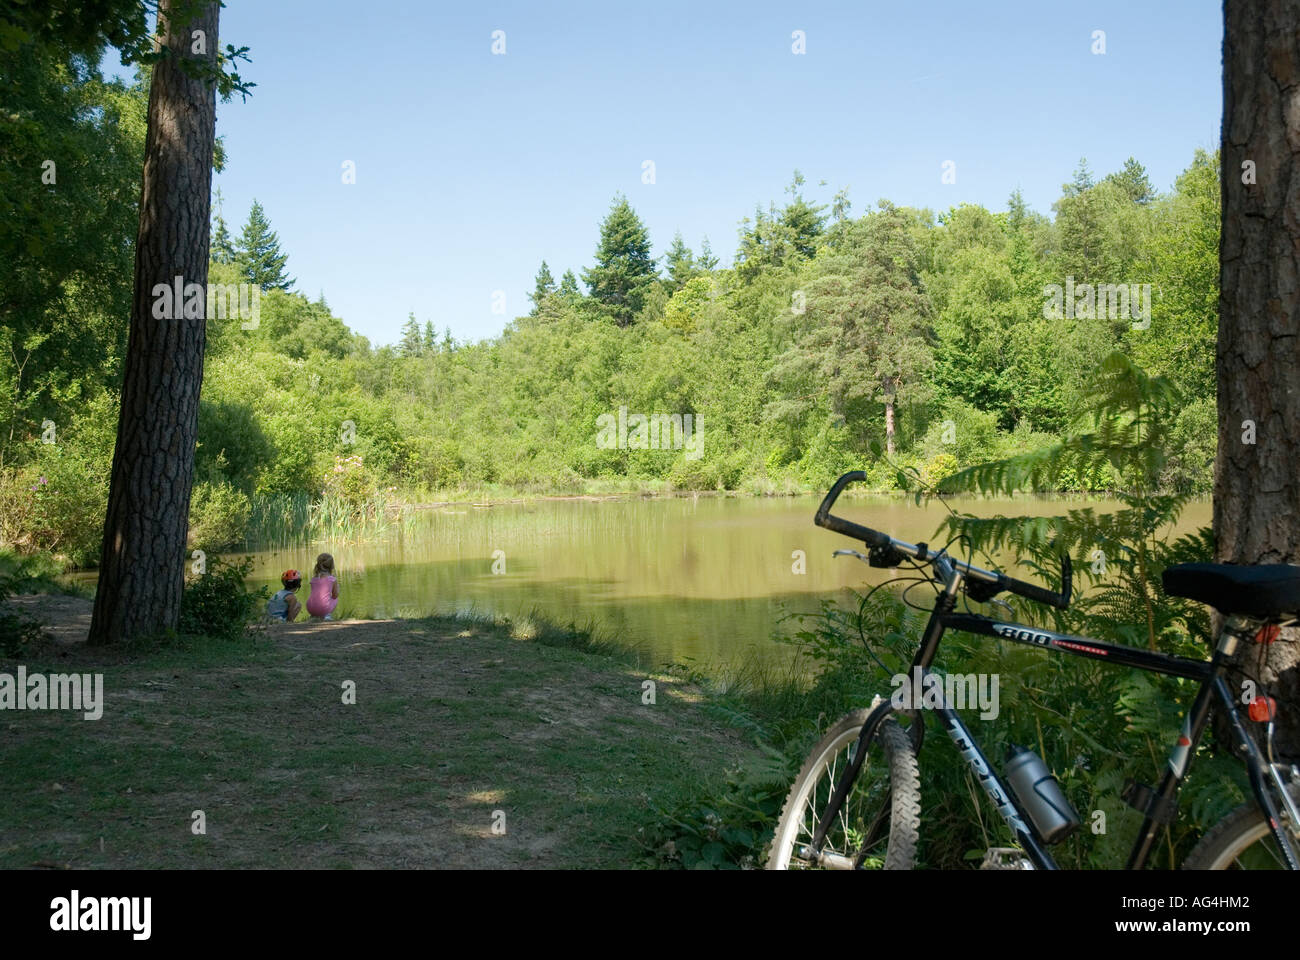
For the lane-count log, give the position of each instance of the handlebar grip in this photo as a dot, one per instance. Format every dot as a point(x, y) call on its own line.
point(1032, 592)
point(833, 494)
point(1039, 594)
point(824, 518)
point(872, 538)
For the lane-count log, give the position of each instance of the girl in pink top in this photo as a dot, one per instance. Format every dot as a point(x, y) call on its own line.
point(324, 588)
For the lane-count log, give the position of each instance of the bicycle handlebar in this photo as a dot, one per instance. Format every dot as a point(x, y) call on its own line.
point(874, 538)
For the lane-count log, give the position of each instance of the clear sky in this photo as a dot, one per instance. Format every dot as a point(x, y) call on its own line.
point(471, 168)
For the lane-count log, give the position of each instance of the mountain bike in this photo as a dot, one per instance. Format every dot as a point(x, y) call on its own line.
point(856, 802)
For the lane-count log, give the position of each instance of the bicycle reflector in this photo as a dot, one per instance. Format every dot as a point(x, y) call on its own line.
point(1268, 633)
point(1263, 709)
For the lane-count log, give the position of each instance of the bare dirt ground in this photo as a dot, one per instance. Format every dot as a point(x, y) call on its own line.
point(464, 746)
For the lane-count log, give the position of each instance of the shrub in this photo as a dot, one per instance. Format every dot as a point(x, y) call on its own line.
point(232, 441)
point(18, 631)
point(725, 832)
point(1194, 440)
point(218, 604)
point(940, 466)
point(350, 482)
point(218, 516)
point(967, 434)
point(700, 474)
point(55, 505)
point(294, 469)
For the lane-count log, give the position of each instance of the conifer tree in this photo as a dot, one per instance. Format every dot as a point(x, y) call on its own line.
point(259, 256)
point(624, 270)
point(223, 248)
point(680, 263)
point(706, 260)
point(411, 342)
point(543, 286)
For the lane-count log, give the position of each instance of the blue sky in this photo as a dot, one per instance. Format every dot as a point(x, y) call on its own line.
point(471, 168)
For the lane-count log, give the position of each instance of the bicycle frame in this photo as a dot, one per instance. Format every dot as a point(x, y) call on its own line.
point(1210, 673)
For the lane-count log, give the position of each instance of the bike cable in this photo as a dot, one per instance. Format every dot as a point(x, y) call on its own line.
point(862, 607)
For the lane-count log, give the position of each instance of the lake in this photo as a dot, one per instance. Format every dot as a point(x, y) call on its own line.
point(702, 580)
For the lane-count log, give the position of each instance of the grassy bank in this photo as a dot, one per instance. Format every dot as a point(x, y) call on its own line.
point(453, 721)
point(282, 518)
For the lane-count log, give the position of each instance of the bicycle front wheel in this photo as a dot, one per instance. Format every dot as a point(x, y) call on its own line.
point(877, 826)
point(1242, 841)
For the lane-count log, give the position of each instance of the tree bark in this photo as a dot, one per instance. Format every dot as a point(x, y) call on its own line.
point(889, 419)
point(142, 567)
point(1257, 484)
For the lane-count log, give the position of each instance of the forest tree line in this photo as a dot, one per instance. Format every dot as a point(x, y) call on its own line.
point(937, 335)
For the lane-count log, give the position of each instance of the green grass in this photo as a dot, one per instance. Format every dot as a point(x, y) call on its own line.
point(454, 719)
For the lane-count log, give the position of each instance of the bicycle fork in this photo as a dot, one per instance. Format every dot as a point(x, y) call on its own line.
point(847, 779)
point(924, 656)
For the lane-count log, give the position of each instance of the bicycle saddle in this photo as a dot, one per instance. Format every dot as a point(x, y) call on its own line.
point(1268, 591)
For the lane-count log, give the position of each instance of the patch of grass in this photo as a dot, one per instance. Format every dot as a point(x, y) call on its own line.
point(454, 720)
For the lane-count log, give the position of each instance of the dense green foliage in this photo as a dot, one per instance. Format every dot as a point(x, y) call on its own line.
point(933, 336)
point(19, 631)
point(789, 361)
point(85, 27)
point(218, 603)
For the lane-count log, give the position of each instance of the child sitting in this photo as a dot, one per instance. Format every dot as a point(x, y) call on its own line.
point(284, 605)
point(324, 589)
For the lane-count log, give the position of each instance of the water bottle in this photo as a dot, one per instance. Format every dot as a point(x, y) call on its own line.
point(1039, 795)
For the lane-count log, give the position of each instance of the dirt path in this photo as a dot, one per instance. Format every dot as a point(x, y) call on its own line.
point(464, 747)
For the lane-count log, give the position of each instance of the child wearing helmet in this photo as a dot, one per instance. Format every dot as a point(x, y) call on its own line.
point(284, 605)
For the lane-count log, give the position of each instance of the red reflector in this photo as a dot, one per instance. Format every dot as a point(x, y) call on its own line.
point(1263, 709)
point(1268, 633)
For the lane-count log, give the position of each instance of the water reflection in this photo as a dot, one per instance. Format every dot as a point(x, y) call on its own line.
point(703, 579)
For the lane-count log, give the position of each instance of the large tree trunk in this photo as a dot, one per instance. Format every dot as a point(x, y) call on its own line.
point(1257, 484)
point(142, 567)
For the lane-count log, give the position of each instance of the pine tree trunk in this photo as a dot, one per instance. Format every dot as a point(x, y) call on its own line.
point(1257, 484)
point(142, 562)
point(889, 423)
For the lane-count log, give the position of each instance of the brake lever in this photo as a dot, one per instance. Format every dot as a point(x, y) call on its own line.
point(996, 602)
point(850, 553)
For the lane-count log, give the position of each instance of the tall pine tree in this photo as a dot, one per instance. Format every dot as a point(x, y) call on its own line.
point(867, 336)
point(223, 248)
point(706, 260)
point(1134, 181)
point(624, 270)
point(411, 342)
point(680, 263)
point(143, 557)
point(543, 287)
point(258, 256)
point(803, 221)
point(1257, 480)
point(1080, 251)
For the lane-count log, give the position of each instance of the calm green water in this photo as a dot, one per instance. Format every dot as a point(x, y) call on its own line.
point(693, 579)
